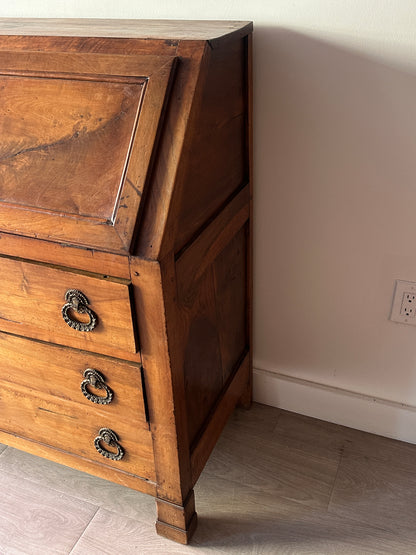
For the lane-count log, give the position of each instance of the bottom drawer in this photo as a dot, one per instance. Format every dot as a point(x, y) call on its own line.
point(73, 428)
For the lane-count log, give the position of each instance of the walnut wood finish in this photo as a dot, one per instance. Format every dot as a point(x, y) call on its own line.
point(59, 371)
point(66, 256)
point(32, 296)
point(126, 174)
point(72, 427)
point(79, 134)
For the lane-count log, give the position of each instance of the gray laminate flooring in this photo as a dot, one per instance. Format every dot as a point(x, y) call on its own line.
point(277, 483)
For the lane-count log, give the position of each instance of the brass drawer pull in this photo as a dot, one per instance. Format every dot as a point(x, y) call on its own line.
point(95, 379)
point(78, 302)
point(105, 435)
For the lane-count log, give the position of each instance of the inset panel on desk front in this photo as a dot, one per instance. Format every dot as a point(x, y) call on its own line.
point(62, 137)
point(78, 131)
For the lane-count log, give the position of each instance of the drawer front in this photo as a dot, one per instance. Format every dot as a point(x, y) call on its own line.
point(105, 386)
point(75, 429)
point(32, 297)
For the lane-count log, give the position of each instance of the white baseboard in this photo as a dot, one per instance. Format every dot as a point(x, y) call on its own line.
point(348, 408)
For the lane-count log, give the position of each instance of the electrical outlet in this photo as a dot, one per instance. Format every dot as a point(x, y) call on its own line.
point(404, 303)
point(408, 305)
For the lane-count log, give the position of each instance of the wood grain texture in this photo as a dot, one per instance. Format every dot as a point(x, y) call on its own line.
point(177, 523)
point(235, 517)
point(230, 277)
point(202, 364)
point(59, 372)
point(63, 136)
point(214, 426)
point(155, 235)
point(108, 532)
point(215, 156)
point(67, 481)
point(32, 296)
point(147, 137)
point(194, 260)
point(163, 379)
point(78, 123)
point(131, 28)
point(32, 520)
point(118, 476)
point(65, 255)
point(93, 45)
point(247, 522)
point(72, 428)
point(304, 476)
point(364, 483)
point(211, 281)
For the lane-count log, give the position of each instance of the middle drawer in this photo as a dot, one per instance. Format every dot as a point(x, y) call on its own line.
point(76, 376)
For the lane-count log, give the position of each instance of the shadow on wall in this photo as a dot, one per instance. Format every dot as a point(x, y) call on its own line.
point(335, 209)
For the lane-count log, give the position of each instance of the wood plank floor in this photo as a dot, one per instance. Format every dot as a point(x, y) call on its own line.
point(277, 483)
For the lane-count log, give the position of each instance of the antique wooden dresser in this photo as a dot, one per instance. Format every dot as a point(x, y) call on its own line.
point(125, 214)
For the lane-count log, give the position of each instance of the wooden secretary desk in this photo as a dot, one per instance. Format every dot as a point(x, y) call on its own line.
point(125, 271)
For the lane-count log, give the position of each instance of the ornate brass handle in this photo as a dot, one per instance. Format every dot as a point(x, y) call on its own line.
point(78, 302)
point(96, 380)
point(105, 435)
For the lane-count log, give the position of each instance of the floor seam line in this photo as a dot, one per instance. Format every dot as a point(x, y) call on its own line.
point(85, 529)
point(341, 457)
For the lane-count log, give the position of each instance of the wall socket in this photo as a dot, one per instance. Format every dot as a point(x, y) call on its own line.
point(404, 303)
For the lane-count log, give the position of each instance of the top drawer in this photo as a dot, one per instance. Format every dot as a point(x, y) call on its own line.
point(31, 301)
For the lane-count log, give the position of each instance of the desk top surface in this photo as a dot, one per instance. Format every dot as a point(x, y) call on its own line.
point(124, 28)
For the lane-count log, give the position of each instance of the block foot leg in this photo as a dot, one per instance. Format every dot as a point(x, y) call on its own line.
point(176, 522)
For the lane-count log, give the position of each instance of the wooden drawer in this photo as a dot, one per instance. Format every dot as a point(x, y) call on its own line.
point(31, 301)
point(59, 371)
point(73, 428)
